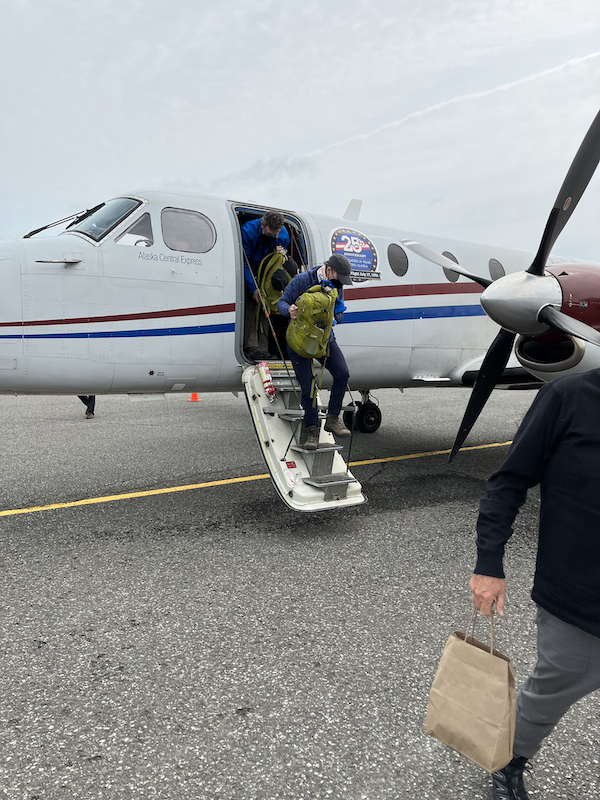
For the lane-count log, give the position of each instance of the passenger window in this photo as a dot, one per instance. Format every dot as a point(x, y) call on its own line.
point(139, 234)
point(496, 269)
point(449, 273)
point(398, 259)
point(187, 231)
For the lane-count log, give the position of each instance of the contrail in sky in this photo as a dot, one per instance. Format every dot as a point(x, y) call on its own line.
point(264, 170)
point(453, 101)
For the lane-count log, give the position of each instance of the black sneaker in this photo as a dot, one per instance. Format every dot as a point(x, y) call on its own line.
point(507, 783)
point(254, 354)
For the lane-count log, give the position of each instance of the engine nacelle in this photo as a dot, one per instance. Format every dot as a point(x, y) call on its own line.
point(553, 354)
point(548, 360)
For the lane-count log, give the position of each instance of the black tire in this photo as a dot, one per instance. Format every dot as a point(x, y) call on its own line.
point(368, 418)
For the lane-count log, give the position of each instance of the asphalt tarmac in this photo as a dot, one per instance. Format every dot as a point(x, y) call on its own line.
point(210, 643)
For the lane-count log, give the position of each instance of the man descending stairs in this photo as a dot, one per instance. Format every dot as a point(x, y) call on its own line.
point(306, 466)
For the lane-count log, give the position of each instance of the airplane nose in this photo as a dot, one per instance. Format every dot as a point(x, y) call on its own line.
point(11, 307)
point(515, 301)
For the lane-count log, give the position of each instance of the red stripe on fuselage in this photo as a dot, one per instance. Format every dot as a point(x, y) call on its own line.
point(356, 293)
point(411, 290)
point(174, 312)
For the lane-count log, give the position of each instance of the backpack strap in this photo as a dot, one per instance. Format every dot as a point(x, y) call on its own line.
point(271, 263)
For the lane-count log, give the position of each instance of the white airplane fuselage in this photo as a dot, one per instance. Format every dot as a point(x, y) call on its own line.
point(135, 314)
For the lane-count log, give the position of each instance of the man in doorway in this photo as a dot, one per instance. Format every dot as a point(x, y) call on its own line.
point(260, 237)
point(558, 447)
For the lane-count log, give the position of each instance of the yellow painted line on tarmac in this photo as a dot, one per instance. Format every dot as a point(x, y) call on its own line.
point(130, 495)
point(423, 455)
point(243, 479)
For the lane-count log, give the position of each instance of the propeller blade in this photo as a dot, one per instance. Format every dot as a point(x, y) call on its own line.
point(563, 322)
point(490, 373)
point(442, 261)
point(574, 185)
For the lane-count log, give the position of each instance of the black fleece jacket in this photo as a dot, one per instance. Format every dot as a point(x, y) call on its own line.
point(557, 446)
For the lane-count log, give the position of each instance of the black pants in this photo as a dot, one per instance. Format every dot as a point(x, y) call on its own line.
point(89, 402)
point(336, 365)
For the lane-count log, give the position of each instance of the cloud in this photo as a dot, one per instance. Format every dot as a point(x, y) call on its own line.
point(484, 166)
point(293, 167)
point(107, 96)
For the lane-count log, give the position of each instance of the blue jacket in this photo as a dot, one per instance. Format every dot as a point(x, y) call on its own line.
point(301, 283)
point(256, 246)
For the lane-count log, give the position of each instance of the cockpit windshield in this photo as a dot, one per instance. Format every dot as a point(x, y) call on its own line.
point(104, 219)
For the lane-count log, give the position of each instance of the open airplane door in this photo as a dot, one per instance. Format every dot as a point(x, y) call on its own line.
point(306, 480)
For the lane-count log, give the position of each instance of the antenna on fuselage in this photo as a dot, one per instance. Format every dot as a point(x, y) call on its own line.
point(353, 211)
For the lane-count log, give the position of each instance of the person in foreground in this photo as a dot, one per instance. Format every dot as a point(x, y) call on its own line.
point(558, 447)
point(336, 271)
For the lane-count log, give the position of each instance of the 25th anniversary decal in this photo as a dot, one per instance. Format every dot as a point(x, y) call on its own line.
point(359, 251)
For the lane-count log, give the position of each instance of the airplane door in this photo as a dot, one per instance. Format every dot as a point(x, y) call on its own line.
point(300, 249)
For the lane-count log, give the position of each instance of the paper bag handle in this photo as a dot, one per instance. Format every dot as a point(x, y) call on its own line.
point(471, 627)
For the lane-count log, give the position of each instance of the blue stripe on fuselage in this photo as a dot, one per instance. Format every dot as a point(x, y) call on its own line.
point(193, 330)
point(427, 312)
point(350, 318)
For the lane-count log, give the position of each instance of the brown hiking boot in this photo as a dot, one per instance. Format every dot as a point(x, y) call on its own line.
point(333, 425)
point(312, 437)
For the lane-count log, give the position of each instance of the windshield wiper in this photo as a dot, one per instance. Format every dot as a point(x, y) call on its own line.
point(75, 217)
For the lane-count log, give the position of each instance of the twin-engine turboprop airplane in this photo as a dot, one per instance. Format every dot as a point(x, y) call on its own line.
point(144, 294)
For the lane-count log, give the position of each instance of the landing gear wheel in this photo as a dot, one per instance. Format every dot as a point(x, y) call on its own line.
point(367, 417)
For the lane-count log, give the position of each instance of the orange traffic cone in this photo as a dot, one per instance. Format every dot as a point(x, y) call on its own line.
point(194, 398)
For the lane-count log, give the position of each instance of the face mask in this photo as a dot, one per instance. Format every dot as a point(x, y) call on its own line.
point(337, 284)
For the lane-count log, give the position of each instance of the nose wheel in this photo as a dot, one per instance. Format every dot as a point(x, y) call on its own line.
point(366, 415)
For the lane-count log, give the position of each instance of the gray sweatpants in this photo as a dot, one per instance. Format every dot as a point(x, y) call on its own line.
point(567, 669)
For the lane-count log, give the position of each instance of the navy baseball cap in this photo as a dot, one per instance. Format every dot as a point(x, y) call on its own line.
point(341, 266)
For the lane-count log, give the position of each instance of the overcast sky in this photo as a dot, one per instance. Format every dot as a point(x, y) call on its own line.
point(454, 117)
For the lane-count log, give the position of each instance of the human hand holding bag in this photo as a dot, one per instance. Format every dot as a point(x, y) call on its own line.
point(472, 703)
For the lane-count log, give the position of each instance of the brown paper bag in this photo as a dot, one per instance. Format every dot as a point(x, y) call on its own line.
point(472, 703)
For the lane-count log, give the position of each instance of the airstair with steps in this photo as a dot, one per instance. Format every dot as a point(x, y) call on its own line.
point(306, 480)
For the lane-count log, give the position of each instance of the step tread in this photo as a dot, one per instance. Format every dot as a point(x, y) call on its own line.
point(284, 413)
point(334, 479)
point(285, 383)
point(322, 448)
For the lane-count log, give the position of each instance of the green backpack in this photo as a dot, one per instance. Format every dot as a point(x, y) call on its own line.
point(271, 265)
point(308, 334)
